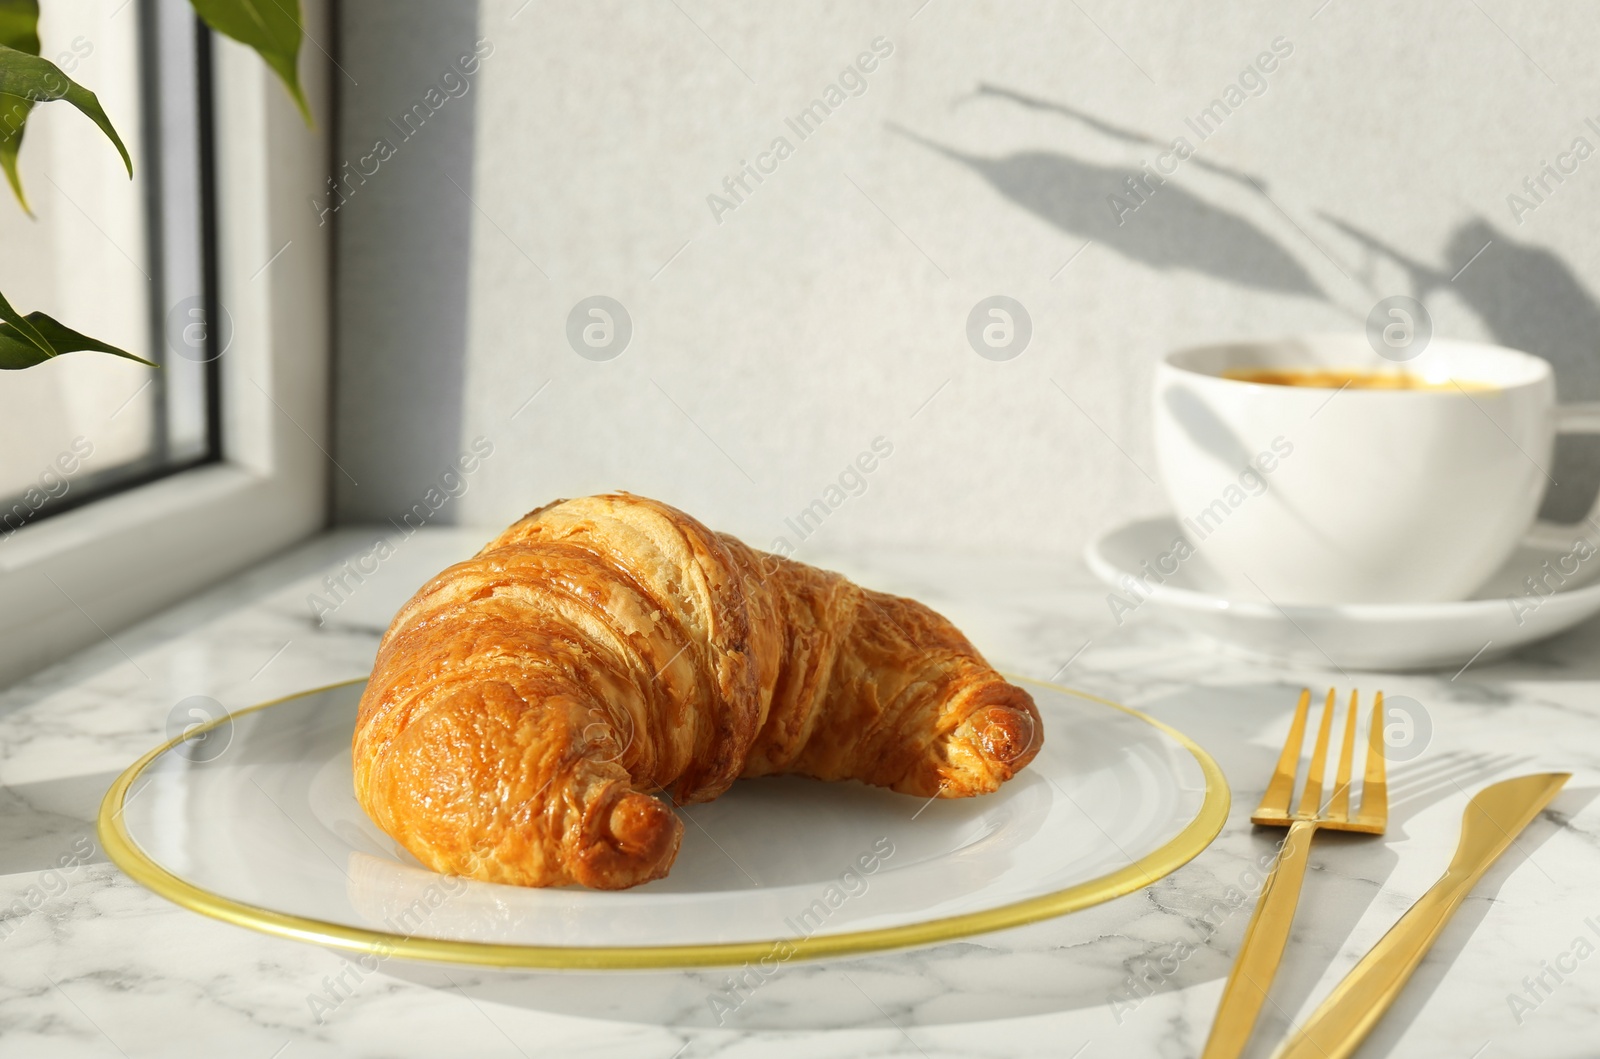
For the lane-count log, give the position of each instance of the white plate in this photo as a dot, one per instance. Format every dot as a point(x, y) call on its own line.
point(1504, 615)
point(254, 822)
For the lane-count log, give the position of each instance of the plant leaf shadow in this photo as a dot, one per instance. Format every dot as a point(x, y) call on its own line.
point(1170, 228)
point(1527, 296)
point(1210, 433)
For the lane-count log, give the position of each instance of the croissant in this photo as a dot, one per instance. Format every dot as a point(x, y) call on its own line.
point(526, 704)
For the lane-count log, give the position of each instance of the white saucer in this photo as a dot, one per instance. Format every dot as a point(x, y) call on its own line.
point(1499, 619)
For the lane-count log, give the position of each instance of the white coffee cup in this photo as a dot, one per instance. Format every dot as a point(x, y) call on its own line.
point(1317, 495)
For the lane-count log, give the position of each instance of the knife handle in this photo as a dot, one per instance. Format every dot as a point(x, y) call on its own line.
point(1262, 948)
point(1342, 1021)
point(1489, 825)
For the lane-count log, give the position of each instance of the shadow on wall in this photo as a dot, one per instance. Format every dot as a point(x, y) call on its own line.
point(1072, 195)
point(1527, 297)
point(402, 173)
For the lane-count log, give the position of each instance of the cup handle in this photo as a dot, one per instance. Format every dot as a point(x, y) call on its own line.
point(1582, 417)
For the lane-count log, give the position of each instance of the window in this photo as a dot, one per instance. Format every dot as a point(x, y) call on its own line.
point(226, 458)
point(125, 261)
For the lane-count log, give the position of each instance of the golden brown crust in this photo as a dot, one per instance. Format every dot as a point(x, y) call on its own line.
point(526, 703)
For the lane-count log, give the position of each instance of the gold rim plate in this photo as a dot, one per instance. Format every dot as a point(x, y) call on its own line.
point(125, 852)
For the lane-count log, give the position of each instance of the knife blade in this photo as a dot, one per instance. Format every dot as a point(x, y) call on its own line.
point(1489, 825)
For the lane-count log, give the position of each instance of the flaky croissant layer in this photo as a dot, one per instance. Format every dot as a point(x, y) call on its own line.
point(526, 704)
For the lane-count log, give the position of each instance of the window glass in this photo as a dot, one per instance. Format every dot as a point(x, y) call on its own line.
point(121, 260)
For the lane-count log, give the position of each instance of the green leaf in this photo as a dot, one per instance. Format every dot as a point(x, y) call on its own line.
point(13, 120)
point(35, 80)
point(19, 30)
point(23, 327)
point(36, 338)
point(271, 27)
point(19, 25)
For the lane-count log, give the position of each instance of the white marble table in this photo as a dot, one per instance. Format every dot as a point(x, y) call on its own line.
point(93, 965)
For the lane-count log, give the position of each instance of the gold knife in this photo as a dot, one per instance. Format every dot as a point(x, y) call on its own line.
point(1492, 821)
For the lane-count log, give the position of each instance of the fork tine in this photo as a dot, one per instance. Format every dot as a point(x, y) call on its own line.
point(1375, 785)
point(1281, 787)
point(1339, 807)
point(1311, 800)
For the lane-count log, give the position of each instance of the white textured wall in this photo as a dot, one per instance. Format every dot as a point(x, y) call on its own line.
point(827, 308)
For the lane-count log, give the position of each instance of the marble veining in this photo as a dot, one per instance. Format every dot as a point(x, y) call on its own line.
point(96, 966)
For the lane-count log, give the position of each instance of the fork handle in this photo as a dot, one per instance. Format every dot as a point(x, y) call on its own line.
point(1262, 948)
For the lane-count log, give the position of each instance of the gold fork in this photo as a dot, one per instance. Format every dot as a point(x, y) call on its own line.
point(1268, 932)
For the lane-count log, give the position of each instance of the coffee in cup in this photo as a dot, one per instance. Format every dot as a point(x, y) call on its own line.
point(1310, 470)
